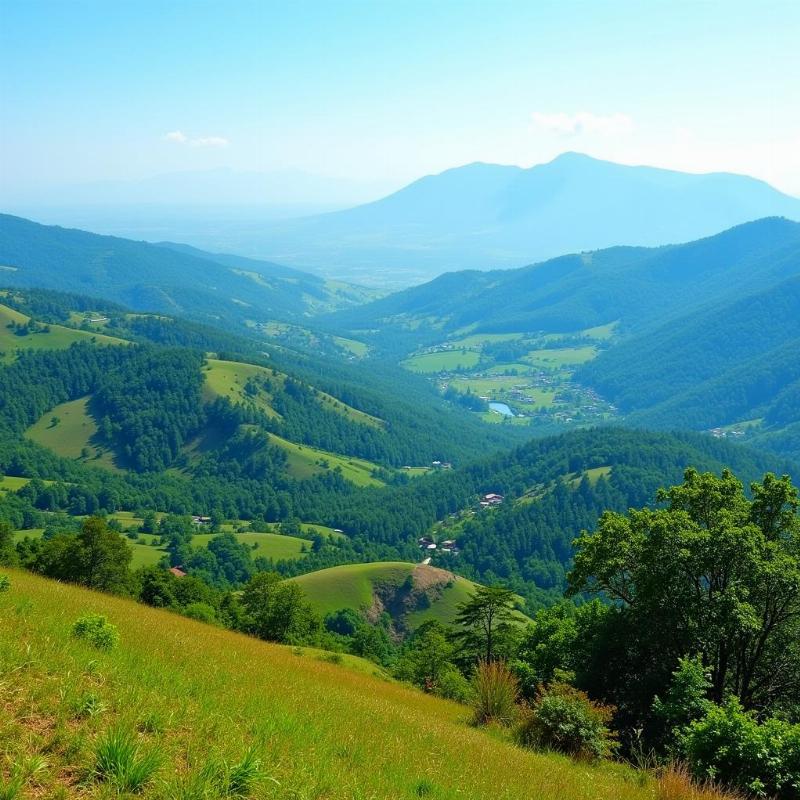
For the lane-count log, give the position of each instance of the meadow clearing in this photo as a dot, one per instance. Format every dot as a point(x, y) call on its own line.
point(56, 337)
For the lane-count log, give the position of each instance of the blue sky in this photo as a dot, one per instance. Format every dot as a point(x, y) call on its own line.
point(388, 91)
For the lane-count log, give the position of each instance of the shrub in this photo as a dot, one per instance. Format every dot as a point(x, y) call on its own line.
point(5, 583)
point(495, 693)
point(202, 612)
point(452, 685)
point(728, 745)
point(684, 702)
point(121, 762)
point(564, 719)
point(96, 630)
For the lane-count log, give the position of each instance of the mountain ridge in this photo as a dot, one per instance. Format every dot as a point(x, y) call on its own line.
point(487, 216)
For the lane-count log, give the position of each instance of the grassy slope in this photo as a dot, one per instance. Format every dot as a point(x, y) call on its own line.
point(268, 545)
point(305, 461)
point(228, 379)
point(200, 694)
point(76, 428)
point(58, 338)
point(75, 431)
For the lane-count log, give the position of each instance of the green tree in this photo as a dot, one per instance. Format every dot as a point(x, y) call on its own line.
point(685, 701)
point(712, 573)
point(8, 552)
point(428, 657)
point(484, 621)
point(278, 611)
point(96, 557)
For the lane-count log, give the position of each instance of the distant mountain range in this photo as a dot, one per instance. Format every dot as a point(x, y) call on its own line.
point(169, 278)
point(483, 216)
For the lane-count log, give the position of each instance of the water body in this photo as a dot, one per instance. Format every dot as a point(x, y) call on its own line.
point(501, 408)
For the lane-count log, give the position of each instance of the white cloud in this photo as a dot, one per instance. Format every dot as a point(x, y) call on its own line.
point(209, 141)
point(179, 137)
point(564, 124)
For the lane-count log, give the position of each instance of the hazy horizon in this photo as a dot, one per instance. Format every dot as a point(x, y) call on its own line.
point(376, 95)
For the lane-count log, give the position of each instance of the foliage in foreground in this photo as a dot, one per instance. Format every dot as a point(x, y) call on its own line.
point(564, 719)
point(495, 693)
point(730, 746)
point(96, 630)
point(122, 762)
point(199, 694)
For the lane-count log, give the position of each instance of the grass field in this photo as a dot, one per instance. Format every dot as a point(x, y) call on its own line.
point(201, 697)
point(594, 474)
point(9, 483)
point(229, 378)
point(476, 339)
point(358, 349)
point(146, 553)
point(602, 332)
point(74, 431)
point(441, 362)
point(560, 358)
point(57, 338)
point(351, 585)
point(269, 545)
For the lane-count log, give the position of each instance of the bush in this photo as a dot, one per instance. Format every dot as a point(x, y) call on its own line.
point(731, 747)
point(495, 692)
point(564, 719)
point(5, 583)
point(96, 630)
point(452, 685)
point(202, 612)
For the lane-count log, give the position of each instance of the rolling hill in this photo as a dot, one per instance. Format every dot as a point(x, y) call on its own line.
point(169, 279)
point(410, 593)
point(311, 728)
point(486, 215)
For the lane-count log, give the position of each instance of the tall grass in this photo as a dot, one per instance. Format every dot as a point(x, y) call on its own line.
point(121, 761)
point(495, 694)
point(676, 783)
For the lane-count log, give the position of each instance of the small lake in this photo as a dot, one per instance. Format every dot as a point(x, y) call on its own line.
point(501, 408)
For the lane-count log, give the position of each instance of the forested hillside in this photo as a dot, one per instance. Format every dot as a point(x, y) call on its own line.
point(635, 286)
point(147, 277)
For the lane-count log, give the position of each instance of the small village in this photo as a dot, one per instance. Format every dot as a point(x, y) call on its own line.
point(432, 547)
